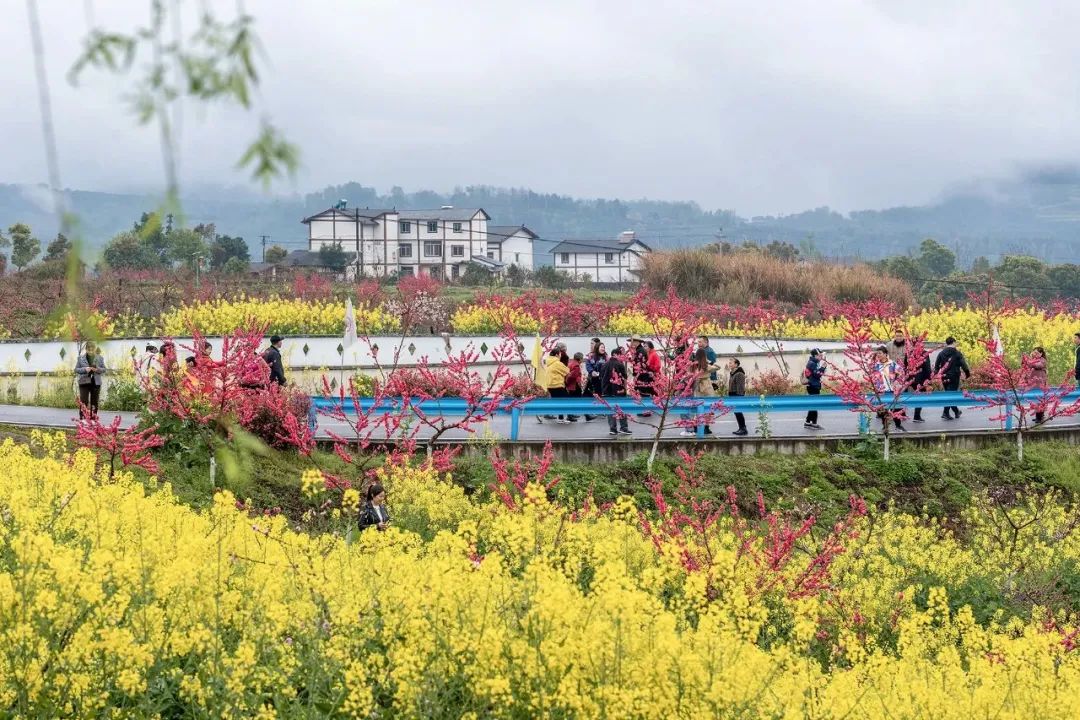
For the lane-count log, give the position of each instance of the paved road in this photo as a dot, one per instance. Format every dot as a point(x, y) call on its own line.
point(841, 423)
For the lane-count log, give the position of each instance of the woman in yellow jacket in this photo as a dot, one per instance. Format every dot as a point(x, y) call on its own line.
point(556, 371)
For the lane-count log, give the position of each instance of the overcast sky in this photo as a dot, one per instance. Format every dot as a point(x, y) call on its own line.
point(761, 106)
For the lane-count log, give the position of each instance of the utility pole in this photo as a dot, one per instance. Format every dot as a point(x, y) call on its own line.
point(264, 239)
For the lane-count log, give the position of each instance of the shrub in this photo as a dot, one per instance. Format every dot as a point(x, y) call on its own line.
point(124, 393)
point(771, 382)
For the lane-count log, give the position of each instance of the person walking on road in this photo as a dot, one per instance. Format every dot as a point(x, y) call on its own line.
point(897, 352)
point(639, 370)
point(886, 374)
point(272, 357)
point(593, 365)
point(703, 386)
point(949, 364)
point(710, 355)
point(89, 369)
point(613, 380)
point(1035, 363)
point(920, 379)
point(556, 372)
point(574, 381)
point(737, 388)
point(812, 374)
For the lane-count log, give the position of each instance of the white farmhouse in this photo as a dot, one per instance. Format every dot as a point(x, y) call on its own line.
point(438, 243)
point(511, 245)
point(616, 260)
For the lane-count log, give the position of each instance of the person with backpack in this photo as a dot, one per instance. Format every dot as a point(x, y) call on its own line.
point(737, 388)
point(593, 365)
point(613, 380)
point(949, 364)
point(811, 380)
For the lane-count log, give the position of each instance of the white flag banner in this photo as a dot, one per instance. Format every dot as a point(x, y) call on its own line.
point(998, 350)
point(350, 324)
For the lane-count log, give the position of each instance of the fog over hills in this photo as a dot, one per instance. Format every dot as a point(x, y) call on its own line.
point(1037, 213)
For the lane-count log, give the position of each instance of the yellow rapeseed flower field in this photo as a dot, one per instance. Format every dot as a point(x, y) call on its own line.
point(284, 316)
point(117, 600)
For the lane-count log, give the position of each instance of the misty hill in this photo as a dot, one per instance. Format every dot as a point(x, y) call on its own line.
point(1036, 214)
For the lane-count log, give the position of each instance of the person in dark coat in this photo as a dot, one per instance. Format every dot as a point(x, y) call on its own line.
point(950, 363)
point(920, 379)
point(613, 380)
point(89, 367)
point(737, 388)
point(272, 356)
point(812, 374)
point(375, 513)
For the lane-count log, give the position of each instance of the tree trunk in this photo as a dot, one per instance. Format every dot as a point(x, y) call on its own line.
point(656, 442)
point(887, 445)
point(1020, 445)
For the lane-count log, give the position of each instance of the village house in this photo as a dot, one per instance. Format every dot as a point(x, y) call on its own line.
point(511, 245)
point(437, 243)
point(617, 260)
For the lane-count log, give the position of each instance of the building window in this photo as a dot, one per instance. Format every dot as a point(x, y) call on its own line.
point(491, 254)
point(404, 250)
point(454, 271)
point(517, 257)
point(435, 272)
point(405, 271)
point(432, 226)
point(406, 228)
point(457, 227)
point(609, 258)
point(564, 258)
point(457, 251)
point(433, 249)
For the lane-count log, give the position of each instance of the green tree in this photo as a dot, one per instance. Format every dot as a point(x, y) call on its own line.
point(332, 256)
point(549, 277)
point(127, 251)
point(936, 260)
point(981, 266)
point(475, 276)
point(1024, 276)
point(58, 250)
point(153, 236)
point(185, 245)
point(1066, 279)
point(276, 254)
point(235, 266)
point(903, 268)
point(225, 247)
point(24, 246)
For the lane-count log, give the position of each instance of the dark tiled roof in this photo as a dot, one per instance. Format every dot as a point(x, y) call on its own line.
point(591, 246)
point(354, 213)
point(454, 214)
point(498, 233)
point(487, 263)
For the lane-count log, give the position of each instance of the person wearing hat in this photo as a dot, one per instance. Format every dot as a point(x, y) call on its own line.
point(812, 374)
point(272, 357)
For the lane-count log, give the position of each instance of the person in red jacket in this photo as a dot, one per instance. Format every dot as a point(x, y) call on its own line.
point(574, 381)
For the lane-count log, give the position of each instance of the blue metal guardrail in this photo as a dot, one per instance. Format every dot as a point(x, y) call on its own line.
point(686, 408)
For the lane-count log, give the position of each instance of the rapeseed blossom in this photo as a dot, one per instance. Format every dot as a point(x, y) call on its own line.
point(115, 598)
